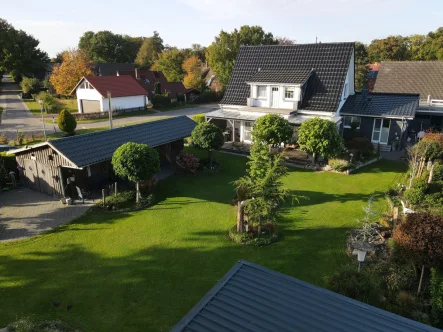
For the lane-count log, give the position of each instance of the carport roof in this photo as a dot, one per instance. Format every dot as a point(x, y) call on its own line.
point(253, 298)
point(87, 149)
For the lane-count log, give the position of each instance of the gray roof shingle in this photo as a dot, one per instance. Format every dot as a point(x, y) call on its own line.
point(290, 76)
point(422, 77)
point(253, 298)
point(88, 149)
point(392, 105)
point(330, 62)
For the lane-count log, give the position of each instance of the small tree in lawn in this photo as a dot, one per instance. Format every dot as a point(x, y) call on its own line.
point(207, 136)
point(136, 162)
point(272, 129)
point(420, 236)
point(66, 122)
point(320, 137)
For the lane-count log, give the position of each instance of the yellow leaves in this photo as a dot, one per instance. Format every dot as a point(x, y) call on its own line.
point(65, 76)
point(193, 69)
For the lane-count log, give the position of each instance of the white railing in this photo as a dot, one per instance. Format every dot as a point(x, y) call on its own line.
point(436, 102)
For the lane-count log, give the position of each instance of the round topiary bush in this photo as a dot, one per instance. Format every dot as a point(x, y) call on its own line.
point(268, 235)
point(66, 122)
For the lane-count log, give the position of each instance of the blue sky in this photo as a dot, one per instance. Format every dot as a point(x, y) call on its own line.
point(59, 24)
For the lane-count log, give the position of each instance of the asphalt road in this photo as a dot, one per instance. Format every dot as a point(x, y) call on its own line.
point(17, 117)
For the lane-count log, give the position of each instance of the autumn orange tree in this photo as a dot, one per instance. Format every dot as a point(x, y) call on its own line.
point(193, 69)
point(65, 76)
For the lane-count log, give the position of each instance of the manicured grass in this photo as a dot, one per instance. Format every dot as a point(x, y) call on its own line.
point(143, 271)
point(67, 104)
point(33, 106)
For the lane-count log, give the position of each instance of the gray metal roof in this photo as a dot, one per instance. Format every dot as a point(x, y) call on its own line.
point(234, 115)
point(392, 105)
point(87, 149)
point(253, 298)
point(285, 76)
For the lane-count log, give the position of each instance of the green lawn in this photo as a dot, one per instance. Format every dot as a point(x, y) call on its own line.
point(67, 104)
point(143, 271)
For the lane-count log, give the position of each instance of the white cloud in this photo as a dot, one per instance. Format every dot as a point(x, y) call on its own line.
point(227, 9)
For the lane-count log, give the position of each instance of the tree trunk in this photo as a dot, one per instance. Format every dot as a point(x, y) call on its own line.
point(421, 279)
point(314, 158)
point(239, 217)
point(137, 194)
point(431, 174)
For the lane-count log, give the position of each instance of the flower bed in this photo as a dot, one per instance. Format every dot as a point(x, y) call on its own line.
point(268, 235)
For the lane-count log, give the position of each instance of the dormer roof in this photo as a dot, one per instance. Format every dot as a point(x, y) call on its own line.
point(283, 76)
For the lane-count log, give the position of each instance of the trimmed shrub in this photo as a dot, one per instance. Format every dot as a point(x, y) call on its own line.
point(188, 162)
point(180, 97)
point(199, 118)
point(269, 234)
point(161, 101)
point(339, 165)
point(208, 97)
point(362, 145)
point(49, 102)
point(429, 149)
point(415, 196)
point(66, 122)
point(122, 200)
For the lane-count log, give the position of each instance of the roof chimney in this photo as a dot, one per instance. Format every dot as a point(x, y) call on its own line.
point(136, 73)
point(429, 99)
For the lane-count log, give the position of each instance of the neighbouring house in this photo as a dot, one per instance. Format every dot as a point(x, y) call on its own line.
point(419, 77)
point(111, 69)
point(382, 117)
point(253, 298)
point(126, 94)
point(148, 78)
point(211, 80)
point(298, 82)
point(372, 75)
point(58, 166)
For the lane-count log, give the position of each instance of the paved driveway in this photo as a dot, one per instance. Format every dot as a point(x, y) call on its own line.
point(16, 115)
point(25, 213)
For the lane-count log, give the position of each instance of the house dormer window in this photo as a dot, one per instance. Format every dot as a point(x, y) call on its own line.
point(261, 91)
point(289, 92)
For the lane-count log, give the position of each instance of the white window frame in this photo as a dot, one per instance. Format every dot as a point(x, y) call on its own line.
point(290, 89)
point(352, 120)
point(380, 131)
point(246, 131)
point(258, 91)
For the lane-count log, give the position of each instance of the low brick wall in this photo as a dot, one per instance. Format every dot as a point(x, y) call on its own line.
point(99, 115)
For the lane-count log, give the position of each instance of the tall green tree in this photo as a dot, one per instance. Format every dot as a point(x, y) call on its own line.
point(170, 63)
point(149, 51)
point(432, 48)
point(222, 53)
point(392, 48)
point(105, 46)
point(19, 52)
point(361, 62)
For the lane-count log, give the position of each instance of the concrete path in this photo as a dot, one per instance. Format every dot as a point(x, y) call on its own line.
point(16, 115)
point(25, 213)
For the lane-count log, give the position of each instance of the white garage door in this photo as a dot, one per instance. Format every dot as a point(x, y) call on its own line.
point(90, 106)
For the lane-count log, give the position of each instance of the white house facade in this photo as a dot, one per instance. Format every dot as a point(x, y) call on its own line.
point(125, 93)
point(298, 82)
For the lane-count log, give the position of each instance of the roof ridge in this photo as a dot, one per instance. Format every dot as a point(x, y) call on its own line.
point(268, 45)
point(390, 93)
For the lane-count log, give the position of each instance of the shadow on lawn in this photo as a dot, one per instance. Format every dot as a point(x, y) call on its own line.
point(150, 289)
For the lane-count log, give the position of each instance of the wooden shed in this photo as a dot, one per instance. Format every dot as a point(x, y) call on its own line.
point(57, 167)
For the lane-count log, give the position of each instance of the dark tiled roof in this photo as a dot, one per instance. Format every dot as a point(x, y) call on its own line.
point(175, 87)
point(119, 86)
point(290, 76)
point(329, 61)
point(422, 77)
point(253, 298)
point(110, 69)
point(381, 104)
point(93, 148)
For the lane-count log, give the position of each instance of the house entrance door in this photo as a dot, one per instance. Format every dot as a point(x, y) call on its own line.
point(380, 132)
point(275, 97)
